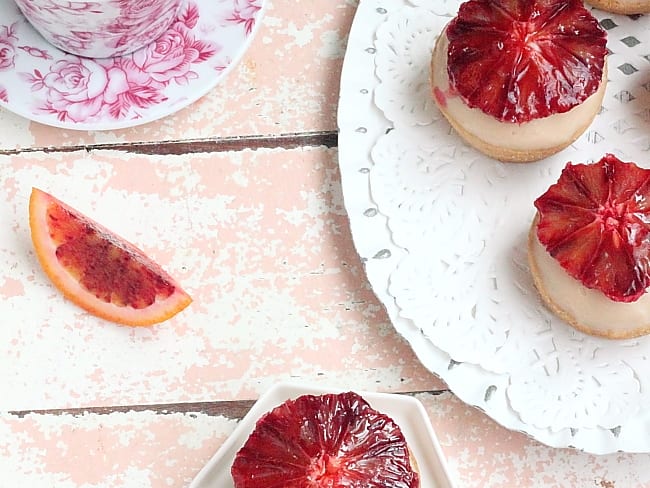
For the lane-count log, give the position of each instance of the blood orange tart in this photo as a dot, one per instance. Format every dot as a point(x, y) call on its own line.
point(589, 247)
point(325, 441)
point(627, 7)
point(521, 79)
point(98, 270)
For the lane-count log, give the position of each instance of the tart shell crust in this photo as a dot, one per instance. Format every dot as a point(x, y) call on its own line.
point(632, 331)
point(626, 7)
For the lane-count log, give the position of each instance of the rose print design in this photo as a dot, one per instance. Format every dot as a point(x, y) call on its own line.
point(139, 22)
point(171, 56)
point(187, 59)
point(36, 52)
point(108, 28)
point(245, 12)
point(7, 47)
point(58, 13)
point(52, 10)
point(79, 89)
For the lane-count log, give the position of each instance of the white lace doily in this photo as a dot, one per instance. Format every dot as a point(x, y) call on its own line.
point(442, 231)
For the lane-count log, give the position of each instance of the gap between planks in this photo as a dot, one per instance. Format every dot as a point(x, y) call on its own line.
point(175, 147)
point(233, 409)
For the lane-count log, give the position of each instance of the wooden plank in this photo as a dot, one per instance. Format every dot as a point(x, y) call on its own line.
point(234, 409)
point(284, 141)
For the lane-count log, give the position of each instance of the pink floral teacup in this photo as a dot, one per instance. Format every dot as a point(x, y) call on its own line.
point(100, 28)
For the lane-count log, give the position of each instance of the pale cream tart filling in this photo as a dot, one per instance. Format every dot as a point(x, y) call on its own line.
point(584, 308)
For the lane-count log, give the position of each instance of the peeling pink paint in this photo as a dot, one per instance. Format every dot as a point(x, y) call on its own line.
point(11, 288)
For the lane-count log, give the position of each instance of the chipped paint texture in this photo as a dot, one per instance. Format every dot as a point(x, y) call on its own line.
point(119, 449)
point(286, 82)
point(149, 450)
point(261, 242)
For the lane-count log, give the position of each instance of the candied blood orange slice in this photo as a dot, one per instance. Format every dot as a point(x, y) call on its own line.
point(325, 441)
point(595, 221)
point(519, 60)
point(98, 270)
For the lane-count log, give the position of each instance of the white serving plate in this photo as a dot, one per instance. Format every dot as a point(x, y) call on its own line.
point(441, 230)
point(406, 411)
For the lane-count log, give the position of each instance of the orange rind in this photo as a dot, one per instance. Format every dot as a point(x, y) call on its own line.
point(98, 270)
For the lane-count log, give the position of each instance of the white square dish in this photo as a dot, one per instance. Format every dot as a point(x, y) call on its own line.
point(406, 411)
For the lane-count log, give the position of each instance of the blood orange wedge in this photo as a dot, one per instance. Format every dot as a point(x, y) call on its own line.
point(325, 441)
point(595, 222)
point(519, 60)
point(98, 270)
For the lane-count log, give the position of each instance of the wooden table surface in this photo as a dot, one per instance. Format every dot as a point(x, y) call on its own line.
point(239, 197)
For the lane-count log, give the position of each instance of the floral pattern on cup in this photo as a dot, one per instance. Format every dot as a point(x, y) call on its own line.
point(77, 89)
point(47, 85)
point(100, 29)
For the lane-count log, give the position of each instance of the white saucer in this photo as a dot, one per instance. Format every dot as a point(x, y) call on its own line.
point(46, 85)
point(406, 411)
